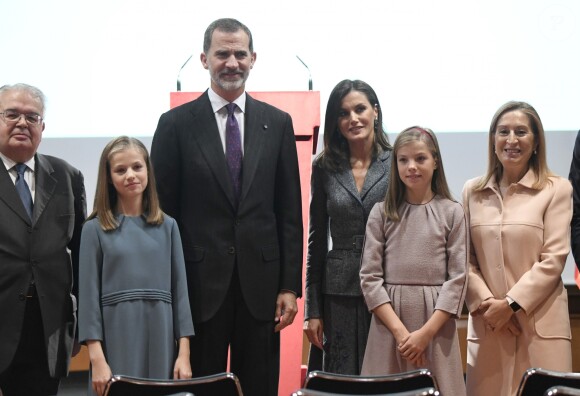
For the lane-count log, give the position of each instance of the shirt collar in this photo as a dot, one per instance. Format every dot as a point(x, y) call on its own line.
point(217, 102)
point(9, 164)
point(527, 180)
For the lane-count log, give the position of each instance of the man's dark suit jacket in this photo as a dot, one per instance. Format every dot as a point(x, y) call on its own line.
point(264, 235)
point(39, 249)
point(575, 180)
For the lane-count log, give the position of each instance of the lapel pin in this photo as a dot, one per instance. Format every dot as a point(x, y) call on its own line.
point(265, 126)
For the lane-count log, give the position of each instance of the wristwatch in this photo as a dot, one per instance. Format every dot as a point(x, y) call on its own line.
point(513, 305)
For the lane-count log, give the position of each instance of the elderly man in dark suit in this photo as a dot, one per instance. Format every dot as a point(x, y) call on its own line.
point(42, 208)
point(227, 169)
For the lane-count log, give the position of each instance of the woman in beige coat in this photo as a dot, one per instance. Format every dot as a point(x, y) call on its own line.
point(519, 218)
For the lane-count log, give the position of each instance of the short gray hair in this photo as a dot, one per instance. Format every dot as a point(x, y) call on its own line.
point(31, 90)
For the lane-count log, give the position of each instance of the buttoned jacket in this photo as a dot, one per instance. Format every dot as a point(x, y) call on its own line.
point(338, 217)
point(519, 245)
point(262, 235)
point(38, 249)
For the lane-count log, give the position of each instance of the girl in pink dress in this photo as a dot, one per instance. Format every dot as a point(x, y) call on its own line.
point(413, 271)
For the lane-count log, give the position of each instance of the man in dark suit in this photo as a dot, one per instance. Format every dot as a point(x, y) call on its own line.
point(42, 209)
point(240, 219)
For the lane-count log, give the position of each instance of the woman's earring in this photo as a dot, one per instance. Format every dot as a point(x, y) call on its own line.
point(376, 124)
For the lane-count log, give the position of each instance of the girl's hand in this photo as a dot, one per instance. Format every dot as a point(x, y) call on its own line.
point(182, 368)
point(420, 361)
point(100, 370)
point(101, 374)
point(414, 345)
point(314, 331)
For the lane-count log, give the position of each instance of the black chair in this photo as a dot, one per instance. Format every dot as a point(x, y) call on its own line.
point(536, 381)
point(369, 385)
point(562, 391)
point(224, 384)
point(418, 392)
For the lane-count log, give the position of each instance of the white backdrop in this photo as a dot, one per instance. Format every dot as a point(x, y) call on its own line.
point(107, 66)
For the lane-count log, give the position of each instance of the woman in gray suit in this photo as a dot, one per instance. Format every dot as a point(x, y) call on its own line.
point(348, 178)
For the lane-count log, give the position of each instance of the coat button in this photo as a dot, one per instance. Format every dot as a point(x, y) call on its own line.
point(231, 250)
point(21, 297)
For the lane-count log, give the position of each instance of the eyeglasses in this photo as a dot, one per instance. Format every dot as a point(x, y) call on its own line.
point(12, 117)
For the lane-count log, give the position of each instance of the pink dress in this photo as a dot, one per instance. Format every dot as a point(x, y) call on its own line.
point(418, 265)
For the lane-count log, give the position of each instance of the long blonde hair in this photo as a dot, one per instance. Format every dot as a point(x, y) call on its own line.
point(538, 159)
point(106, 195)
point(396, 191)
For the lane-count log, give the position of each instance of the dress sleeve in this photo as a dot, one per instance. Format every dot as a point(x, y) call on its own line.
point(477, 289)
point(372, 272)
point(182, 322)
point(453, 291)
point(317, 245)
point(90, 275)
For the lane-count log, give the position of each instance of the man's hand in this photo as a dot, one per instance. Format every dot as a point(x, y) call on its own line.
point(286, 309)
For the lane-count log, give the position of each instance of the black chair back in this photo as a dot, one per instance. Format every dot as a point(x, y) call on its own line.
point(224, 384)
point(418, 392)
point(369, 385)
point(536, 381)
point(562, 391)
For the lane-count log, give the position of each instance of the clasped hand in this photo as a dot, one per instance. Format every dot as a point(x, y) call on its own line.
point(498, 316)
point(412, 347)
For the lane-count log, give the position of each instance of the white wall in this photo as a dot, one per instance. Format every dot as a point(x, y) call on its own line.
point(107, 67)
point(464, 156)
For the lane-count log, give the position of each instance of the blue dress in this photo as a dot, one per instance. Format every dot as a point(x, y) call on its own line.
point(133, 295)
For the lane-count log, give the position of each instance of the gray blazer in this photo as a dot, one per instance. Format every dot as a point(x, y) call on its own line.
point(338, 216)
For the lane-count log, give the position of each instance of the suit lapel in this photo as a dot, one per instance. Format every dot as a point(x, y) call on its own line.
point(255, 131)
point(346, 179)
point(208, 140)
point(9, 195)
point(45, 185)
point(376, 172)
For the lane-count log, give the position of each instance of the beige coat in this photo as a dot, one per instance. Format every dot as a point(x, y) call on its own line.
point(519, 245)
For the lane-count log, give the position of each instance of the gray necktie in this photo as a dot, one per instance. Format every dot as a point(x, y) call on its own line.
point(22, 188)
point(234, 149)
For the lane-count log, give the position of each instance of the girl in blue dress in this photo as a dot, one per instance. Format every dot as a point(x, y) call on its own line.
point(134, 313)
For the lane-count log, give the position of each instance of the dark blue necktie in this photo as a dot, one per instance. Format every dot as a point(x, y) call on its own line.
point(22, 188)
point(234, 149)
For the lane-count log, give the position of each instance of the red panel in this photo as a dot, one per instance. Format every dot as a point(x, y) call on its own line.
point(304, 107)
